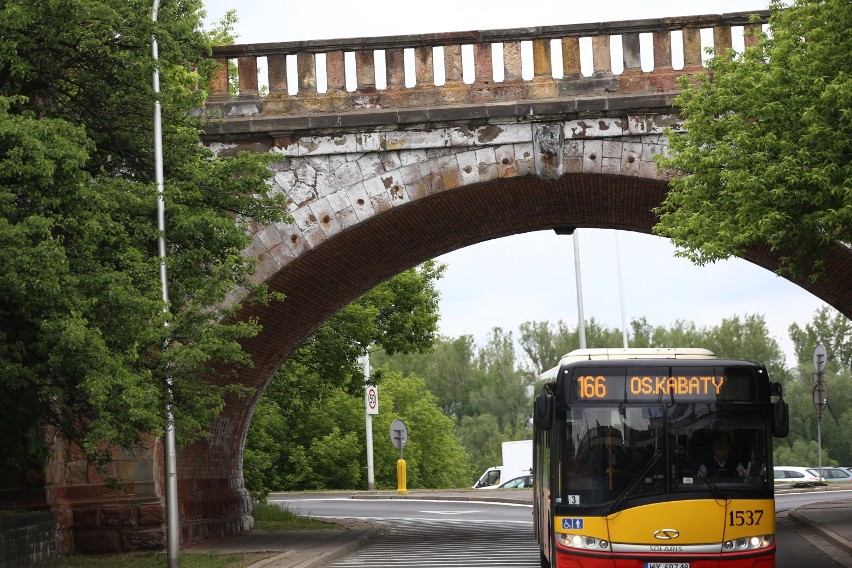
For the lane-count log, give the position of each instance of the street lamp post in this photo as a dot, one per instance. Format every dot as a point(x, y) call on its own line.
point(172, 535)
point(580, 316)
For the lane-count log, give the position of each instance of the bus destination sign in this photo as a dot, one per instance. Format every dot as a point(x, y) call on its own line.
point(604, 384)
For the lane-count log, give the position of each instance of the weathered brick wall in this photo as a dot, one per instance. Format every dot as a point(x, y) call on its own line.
point(27, 539)
point(92, 516)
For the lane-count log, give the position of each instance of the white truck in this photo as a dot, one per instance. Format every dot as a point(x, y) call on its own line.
point(517, 462)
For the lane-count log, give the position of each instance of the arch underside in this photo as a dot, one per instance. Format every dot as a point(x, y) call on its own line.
point(325, 279)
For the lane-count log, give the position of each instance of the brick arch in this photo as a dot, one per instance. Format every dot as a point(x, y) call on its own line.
point(330, 275)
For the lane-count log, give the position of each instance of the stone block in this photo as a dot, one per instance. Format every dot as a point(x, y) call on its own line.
point(87, 518)
point(96, 542)
point(118, 516)
point(152, 539)
point(505, 156)
point(592, 156)
point(151, 514)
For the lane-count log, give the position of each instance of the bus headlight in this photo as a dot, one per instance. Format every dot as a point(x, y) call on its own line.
point(750, 543)
point(583, 542)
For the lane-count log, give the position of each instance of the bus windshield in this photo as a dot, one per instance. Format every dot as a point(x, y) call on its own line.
point(617, 454)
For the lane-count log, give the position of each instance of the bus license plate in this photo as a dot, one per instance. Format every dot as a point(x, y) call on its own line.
point(667, 565)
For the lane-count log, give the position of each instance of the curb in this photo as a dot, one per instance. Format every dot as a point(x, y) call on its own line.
point(825, 532)
point(368, 532)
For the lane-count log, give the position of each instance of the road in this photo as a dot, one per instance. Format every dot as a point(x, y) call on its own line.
point(456, 534)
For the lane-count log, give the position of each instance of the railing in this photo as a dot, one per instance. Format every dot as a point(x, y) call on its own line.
point(322, 76)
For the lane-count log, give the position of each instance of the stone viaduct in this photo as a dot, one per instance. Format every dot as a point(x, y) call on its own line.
point(384, 166)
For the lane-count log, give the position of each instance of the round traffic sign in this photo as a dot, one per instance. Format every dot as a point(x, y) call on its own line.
point(820, 396)
point(399, 434)
point(820, 358)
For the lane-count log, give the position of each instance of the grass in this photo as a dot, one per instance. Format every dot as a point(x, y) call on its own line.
point(156, 560)
point(266, 518)
point(274, 518)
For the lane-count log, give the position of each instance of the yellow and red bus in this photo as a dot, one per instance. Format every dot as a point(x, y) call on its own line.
point(625, 474)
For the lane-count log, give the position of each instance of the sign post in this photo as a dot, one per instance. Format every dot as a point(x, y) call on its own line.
point(371, 407)
point(399, 438)
point(820, 395)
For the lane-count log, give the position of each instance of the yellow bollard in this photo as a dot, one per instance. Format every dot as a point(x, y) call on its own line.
point(400, 477)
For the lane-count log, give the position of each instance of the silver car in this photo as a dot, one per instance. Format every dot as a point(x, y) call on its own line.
point(833, 474)
point(794, 474)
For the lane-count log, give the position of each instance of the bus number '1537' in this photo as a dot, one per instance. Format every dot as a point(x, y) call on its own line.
point(740, 518)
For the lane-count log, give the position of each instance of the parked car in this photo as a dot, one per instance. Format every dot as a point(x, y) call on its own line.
point(518, 482)
point(794, 474)
point(833, 474)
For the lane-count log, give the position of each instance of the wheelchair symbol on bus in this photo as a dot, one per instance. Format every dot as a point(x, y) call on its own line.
point(575, 524)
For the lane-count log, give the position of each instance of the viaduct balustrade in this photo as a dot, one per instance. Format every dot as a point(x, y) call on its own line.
point(569, 63)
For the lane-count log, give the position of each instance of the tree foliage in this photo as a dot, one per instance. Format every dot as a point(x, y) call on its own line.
point(83, 345)
point(765, 152)
point(315, 399)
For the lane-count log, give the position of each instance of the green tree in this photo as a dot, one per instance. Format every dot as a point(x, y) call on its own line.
point(833, 330)
point(545, 343)
point(829, 328)
point(319, 387)
point(434, 456)
point(765, 152)
point(501, 386)
point(804, 452)
point(83, 346)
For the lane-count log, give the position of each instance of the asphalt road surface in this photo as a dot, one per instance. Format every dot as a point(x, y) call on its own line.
point(457, 534)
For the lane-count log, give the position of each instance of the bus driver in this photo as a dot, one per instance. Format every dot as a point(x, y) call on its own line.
point(722, 463)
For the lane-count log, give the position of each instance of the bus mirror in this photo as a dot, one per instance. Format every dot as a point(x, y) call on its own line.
point(543, 411)
point(775, 389)
point(780, 418)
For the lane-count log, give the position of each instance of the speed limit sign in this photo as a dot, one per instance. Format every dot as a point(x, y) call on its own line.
point(371, 399)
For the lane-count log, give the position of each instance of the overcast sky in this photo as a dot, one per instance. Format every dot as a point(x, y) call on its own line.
point(505, 282)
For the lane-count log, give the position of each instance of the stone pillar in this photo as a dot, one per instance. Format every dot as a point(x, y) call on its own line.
point(662, 50)
point(483, 64)
point(663, 77)
point(632, 56)
point(750, 32)
point(219, 80)
point(277, 73)
point(247, 69)
point(601, 55)
point(395, 65)
point(365, 70)
point(452, 64)
point(424, 68)
point(722, 41)
point(512, 61)
point(454, 90)
point(570, 57)
point(306, 67)
point(335, 71)
point(543, 86)
point(691, 48)
point(542, 64)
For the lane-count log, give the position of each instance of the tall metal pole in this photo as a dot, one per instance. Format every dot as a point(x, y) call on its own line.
point(580, 316)
point(820, 396)
point(172, 522)
point(371, 475)
point(621, 292)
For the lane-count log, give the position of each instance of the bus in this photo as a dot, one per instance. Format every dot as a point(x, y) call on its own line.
point(624, 471)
